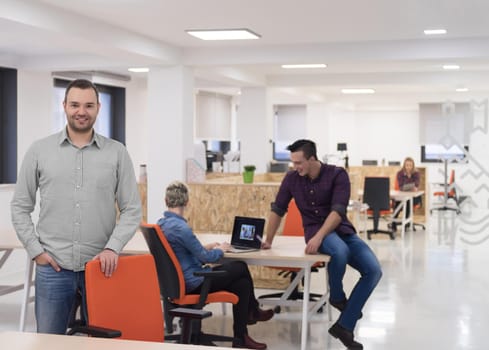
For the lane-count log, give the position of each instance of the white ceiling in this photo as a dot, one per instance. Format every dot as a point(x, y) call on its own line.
point(376, 43)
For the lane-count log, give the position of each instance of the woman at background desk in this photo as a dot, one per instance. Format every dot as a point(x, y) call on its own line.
point(407, 179)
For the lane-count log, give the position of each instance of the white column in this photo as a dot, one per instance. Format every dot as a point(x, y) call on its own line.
point(253, 120)
point(169, 131)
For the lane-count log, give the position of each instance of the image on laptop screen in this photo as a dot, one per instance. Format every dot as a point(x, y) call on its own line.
point(247, 232)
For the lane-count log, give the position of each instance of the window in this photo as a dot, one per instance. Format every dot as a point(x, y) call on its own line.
point(289, 125)
point(8, 125)
point(213, 113)
point(111, 120)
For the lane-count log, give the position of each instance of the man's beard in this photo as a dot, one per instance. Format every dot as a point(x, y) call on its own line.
point(85, 128)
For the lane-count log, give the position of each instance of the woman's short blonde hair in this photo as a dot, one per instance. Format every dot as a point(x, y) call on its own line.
point(176, 195)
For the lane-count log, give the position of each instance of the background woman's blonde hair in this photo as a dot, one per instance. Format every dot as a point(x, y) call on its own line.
point(408, 159)
point(176, 195)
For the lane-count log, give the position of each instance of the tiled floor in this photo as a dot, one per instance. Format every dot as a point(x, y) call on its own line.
point(433, 295)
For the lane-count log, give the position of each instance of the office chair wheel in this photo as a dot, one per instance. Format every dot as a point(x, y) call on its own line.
point(277, 309)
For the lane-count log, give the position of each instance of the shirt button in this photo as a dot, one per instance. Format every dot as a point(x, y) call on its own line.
point(311, 191)
point(77, 186)
point(316, 211)
point(312, 203)
point(78, 205)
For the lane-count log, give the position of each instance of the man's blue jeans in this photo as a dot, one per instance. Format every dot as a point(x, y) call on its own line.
point(352, 250)
point(56, 298)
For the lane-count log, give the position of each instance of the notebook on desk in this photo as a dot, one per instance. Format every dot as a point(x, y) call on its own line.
point(247, 234)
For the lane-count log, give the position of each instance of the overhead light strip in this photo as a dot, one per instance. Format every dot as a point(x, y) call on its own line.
point(223, 34)
point(435, 31)
point(138, 70)
point(358, 91)
point(301, 66)
point(451, 67)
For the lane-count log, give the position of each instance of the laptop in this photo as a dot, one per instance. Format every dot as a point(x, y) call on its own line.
point(408, 187)
point(247, 234)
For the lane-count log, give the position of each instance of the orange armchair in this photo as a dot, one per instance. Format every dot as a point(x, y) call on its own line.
point(126, 305)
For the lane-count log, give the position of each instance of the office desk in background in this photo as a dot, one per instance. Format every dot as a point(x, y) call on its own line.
point(8, 243)
point(38, 341)
point(406, 200)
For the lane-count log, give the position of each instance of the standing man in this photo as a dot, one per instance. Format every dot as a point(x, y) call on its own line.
point(81, 176)
point(321, 193)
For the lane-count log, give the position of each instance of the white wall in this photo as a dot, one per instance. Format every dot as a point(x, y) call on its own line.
point(385, 128)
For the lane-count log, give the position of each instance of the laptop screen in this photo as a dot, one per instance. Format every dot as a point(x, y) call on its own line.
point(247, 232)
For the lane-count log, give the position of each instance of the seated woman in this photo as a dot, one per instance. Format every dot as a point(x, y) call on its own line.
point(407, 180)
point(193, 255)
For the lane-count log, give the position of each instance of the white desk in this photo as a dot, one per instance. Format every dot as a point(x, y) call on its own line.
point(9, 242)
point(38, 341)
point(286, 251)
point(405, 199)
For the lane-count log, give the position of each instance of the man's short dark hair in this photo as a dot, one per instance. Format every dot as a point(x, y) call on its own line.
point(81, 84)
point(308, 147)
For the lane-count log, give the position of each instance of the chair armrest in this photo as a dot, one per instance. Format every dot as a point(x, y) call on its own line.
point(98, 332)
point(190, 313)
point(204, 290)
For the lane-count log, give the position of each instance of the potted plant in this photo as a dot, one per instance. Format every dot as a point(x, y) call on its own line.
point(249, 171)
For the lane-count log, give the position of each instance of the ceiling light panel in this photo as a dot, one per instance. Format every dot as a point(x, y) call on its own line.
point(435, 31)
point(301, 66)
point(223, 34)
point(451, 66)
point(138, 70)
point(358, 91)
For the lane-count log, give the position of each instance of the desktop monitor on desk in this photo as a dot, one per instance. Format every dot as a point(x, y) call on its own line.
point(437, 153)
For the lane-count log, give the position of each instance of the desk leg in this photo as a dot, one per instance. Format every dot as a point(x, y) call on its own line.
point(27, 291)
point(305, 307)
point(403, 221)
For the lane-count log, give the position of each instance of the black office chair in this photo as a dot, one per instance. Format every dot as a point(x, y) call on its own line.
point(172, 286)
point(376, 195)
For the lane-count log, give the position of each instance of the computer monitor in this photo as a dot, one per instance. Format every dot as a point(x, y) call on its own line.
point(437, 153)
point(280, 151)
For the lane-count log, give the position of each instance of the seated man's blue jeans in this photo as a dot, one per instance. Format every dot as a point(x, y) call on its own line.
point(56, 298)
point(352, 250)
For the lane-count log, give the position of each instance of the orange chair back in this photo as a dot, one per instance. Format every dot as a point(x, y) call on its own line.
point(293, 221)
point(450, 193)
point(128, 301)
